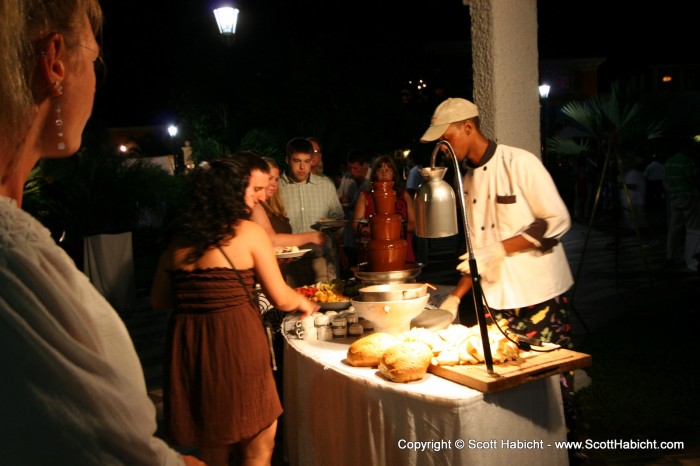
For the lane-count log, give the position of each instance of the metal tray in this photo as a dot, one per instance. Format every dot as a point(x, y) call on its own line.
point(406, 275)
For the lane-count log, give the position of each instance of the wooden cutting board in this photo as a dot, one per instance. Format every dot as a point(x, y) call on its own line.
point(532, 366)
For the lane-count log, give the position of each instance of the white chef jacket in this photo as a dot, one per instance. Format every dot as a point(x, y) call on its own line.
point(504, 195)
point(73, 389)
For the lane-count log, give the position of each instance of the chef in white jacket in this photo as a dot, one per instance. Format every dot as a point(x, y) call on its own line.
point(516, 218)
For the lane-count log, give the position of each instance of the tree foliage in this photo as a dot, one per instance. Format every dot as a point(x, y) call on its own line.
point(616, 125)
point(94, 192)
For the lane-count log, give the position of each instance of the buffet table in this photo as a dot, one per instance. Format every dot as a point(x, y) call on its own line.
point(339, 414)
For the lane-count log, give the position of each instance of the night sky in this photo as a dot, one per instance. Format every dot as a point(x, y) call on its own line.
point(147, 50)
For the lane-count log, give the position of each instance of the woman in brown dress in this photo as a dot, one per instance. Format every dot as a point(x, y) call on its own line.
point(219, 389)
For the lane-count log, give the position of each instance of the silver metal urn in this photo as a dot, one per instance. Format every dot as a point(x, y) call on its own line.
point(436, 214)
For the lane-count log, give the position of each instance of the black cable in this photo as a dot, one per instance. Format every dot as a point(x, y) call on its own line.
point(523, 342)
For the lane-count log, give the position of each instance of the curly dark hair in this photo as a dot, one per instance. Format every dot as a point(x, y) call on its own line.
point(215, 201)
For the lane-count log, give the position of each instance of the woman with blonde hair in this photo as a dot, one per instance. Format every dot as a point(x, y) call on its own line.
point(271, 215)
point(74, 391)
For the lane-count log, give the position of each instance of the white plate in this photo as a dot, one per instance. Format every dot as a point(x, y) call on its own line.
point(329, 224)
point(291, 255)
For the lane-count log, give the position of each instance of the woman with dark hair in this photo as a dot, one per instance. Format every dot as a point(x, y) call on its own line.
point(384, 169)
point(219, 388)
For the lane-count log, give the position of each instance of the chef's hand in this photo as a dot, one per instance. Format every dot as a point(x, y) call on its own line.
point(451, 304)
point(488, 261)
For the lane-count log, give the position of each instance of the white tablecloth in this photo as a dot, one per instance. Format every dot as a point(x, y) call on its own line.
point(109, 263)
point(343, 415)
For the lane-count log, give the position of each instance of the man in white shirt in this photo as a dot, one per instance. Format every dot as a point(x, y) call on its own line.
point(516, 218)
point(353, 182)
point(357, 178)
point(515, 214)
point(656, 193)
point(634, 214)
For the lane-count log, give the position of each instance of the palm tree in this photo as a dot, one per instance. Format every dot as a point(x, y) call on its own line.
point(615, 128)
point(95, 192)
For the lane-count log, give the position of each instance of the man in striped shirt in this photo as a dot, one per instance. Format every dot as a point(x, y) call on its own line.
point(309, 198)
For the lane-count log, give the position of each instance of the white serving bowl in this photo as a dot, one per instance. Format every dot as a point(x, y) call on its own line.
point(393, 317)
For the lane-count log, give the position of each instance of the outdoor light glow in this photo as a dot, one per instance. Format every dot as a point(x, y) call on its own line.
point(667, 79)
point(544, 91)
point(420, 84)
point(405, 153)
point(226, 19)
point(172, 131)
point(122, 148)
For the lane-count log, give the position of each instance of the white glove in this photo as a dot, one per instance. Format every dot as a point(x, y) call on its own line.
point(488, 261)
point(451, 304)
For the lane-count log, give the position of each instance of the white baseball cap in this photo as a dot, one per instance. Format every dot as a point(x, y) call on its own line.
point(451, 110)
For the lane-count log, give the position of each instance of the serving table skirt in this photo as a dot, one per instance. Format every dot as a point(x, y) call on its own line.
point(343, 415)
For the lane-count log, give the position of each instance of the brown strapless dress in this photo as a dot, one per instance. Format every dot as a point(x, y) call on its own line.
point(219, 387)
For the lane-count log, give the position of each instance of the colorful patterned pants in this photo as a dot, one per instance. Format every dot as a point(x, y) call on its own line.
point(548, 321)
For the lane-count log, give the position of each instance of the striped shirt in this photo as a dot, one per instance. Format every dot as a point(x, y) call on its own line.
point(308, 202)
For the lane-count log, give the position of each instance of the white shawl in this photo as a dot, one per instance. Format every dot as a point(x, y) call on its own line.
point(73, 390)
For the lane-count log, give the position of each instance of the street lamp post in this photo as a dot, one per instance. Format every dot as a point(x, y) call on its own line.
point(226, 19)
point(544, 93)
point(178, 159)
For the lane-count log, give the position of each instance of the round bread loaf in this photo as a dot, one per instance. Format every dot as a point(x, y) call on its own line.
point(366, 351)
point(406, 361)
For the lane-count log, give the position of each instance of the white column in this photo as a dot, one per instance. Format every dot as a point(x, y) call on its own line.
point(505, 63)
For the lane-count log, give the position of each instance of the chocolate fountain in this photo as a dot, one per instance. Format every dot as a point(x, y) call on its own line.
point(386, 250)
point(385, 301)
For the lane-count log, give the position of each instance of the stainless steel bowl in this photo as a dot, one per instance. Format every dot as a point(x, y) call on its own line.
point(393, 292)
point(406, 275)
point(393, 317)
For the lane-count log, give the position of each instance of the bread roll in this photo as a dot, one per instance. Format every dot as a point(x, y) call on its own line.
point(366, 351)
point(406, 361)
